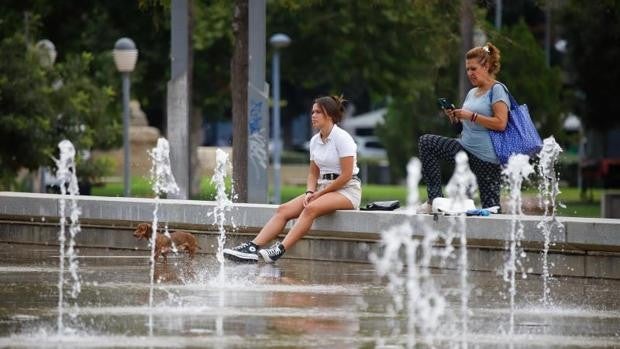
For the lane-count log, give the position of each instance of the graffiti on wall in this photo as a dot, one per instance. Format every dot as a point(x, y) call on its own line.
point(257, 139)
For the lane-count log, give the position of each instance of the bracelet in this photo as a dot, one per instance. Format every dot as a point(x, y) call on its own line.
point(474, 116)
point(309, 192)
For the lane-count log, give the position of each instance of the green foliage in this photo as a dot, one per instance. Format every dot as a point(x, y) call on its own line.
point(529, 79)
point(403, 54)
point(591, 29)
point(402, 127)
point(27, 110)
point(372, 50)
point(93, 170)
point(44, 105)
point(213, 43)
point(82, 107)
point(362, 48)
point(523, 70)
point(94, 27)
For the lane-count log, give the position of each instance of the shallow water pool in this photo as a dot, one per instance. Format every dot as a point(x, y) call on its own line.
point(292, 304)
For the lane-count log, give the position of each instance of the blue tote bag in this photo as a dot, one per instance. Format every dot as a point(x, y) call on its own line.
point(520, 135)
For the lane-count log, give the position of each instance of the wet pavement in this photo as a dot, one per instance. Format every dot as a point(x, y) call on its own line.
point(292, 304)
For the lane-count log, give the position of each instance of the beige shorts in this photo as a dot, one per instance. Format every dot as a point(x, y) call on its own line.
point(352, 190)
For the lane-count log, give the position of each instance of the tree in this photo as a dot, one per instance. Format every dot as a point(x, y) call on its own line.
point(87, 116)
point(95, 27)
point(522, 60)
point(213, 49)
point(591, 29)
point(45, 104)
point(239, 84)
point(27, 112)
point(528, 77)
point(363, 48)
point(370, 51)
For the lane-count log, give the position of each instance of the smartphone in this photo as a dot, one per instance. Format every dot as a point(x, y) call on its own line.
point(444, 104)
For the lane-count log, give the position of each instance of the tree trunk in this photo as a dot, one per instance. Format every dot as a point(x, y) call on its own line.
point(467, 42)
point(195, 140)
point(195, 117)
point(239, 86)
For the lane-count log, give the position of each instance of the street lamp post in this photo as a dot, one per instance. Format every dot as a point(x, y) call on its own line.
point(47, 56)
point(125, 57)
point(277, 41)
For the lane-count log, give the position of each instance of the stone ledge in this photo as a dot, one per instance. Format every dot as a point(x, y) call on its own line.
point(592, 234)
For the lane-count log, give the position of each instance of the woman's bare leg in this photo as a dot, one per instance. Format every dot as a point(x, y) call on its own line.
point(275, 225)
point(325, 204)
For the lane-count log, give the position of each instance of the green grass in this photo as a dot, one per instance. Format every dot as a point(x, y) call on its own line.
point(575, 205)
point(140, 187)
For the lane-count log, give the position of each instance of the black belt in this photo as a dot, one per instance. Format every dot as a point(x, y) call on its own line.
point(332, 176)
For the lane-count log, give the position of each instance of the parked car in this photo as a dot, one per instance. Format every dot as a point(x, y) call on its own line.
point(370, 147)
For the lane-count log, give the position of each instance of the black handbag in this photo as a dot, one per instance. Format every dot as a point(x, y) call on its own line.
point(382, 206)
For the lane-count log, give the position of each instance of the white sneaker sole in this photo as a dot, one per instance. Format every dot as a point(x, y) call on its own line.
point(240, 256)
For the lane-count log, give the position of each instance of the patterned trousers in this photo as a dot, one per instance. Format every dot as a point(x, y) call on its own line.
point(434, 148)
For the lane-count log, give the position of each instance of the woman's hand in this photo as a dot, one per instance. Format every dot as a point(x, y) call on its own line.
point(462, 114)
point(450, 114)
point(310, 196)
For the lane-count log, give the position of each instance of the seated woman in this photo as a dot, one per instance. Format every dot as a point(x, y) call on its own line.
point(332, 185)
point(479, 114)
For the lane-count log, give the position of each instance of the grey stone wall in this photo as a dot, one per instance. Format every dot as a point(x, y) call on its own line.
point(586, 247)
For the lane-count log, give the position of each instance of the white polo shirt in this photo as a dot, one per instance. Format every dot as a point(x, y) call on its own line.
point(326, 155)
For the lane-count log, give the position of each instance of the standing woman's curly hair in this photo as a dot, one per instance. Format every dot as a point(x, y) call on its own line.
point(332, 106)
point(486, 55)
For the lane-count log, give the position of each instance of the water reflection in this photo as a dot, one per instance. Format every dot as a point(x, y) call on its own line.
point(175, 273)
point(305, 299)
point(296, 303)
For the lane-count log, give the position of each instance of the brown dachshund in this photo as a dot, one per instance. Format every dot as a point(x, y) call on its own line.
point(183, 241)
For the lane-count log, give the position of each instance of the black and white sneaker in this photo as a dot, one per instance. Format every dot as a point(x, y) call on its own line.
point(273, 253)
point(246, 252)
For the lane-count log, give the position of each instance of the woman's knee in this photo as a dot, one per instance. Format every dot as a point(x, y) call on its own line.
point(286, 211)
point(311, 211)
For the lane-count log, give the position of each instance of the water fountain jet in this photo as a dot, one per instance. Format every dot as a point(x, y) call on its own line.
point(517, 170)
point(162, 181)
point(549, 189)
point(66, 175)
point(460, 188)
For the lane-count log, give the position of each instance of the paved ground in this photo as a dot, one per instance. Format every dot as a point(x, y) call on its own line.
point(293, 304)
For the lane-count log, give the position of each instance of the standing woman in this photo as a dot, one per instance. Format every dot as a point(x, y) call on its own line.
point(479, 114)
point(332, 185)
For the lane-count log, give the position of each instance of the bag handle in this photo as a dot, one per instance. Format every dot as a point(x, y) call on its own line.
point(513, 101)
